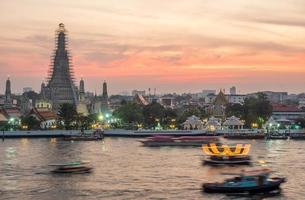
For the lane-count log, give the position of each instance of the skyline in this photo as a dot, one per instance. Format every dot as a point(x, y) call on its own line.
point(188, 47)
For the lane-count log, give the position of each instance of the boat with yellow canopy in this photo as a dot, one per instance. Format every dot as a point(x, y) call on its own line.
point(227, 155)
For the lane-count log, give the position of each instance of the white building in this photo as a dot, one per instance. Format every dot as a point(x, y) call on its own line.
point(236, 99)
point(233, 99)
point(233, 90)
point(203, 94)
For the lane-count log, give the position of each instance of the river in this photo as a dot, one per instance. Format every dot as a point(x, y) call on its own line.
point(123, 169)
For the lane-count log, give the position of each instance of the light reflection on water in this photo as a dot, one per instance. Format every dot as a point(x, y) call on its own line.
point(123, 169)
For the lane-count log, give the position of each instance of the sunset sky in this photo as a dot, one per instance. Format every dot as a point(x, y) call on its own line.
point(171, 45)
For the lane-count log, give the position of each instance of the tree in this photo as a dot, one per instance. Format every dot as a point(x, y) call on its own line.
point(31, 122)
point(153, 113)
point(235, 109)
point(257, 110)
point(129, 113)
point(85, 122)
point(188, 111)
point(169, 118)
point(67, 114)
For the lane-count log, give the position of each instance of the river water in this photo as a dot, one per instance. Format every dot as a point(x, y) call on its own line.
point(123, 169)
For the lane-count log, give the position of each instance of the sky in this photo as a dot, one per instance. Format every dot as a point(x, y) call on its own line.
point(173, 45)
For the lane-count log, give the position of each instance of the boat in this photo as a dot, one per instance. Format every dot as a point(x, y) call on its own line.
point(72, 167)
point(297, 136)
point(225, 155)
point(257, 181)
point(227, 160)
point(96, 135)
point(277, 137)
point(244, 136)
point(157, 141)
point(150, 133)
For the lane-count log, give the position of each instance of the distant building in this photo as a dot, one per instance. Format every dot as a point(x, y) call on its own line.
point(302, 103)
point(236, 98)
point(219, 105)
point(27, 89)
point(28, 101)
point(8, 102)
point(203, 94)
point(233, 90)
point(12, 113)
point(105, 101)
point(288, 112)
point(168, 101)
point(47, 118)
point(139, 92)
point(233, 99)
point(3, 118)
point(43, 104)
point(140, 99)
point(60, 87)
point(82, 104)
point(274, 97)
point(96, 105)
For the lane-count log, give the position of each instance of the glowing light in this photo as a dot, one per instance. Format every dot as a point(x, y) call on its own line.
point(101, 117)
point(254, 125)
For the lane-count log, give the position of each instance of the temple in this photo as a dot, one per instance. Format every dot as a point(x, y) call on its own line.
point(82, 103)
point(60, 87)
point(8, 102)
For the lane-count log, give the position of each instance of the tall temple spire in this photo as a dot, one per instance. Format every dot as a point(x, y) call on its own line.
point(8, 93)
point(104, 106)
point(105, 92)
point(60, 87)
point(81, 90)
point(81, 106)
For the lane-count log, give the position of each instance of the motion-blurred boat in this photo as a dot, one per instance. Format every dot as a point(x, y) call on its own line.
point(158, 141)
point(257, 181)
point(72, 167)
point(96, 135)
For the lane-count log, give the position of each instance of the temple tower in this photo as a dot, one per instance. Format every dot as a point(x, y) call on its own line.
point(104, 102)
point(60, 87)
point(82, 106)
point(8, 93)
point(105, 92)
point(81, 90)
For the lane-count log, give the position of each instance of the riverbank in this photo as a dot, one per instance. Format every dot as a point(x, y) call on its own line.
point(107, 133)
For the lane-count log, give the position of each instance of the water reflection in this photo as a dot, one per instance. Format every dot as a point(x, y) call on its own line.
point(123, 169)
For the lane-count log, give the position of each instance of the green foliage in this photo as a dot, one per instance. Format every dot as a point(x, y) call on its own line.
point(300, 122)
point(188, 111)
point(153, 113)
point(85, 122)
point(236, 110)
point(68, 115)
point(129, 113)
point(169, 118)
point(254, 110)
point(31, 122)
